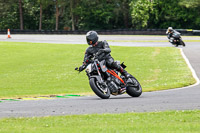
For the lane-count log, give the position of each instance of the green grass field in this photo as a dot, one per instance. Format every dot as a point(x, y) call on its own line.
point(35, 69)
point(155, 122)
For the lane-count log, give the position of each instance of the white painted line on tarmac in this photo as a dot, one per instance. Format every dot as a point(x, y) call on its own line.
point(191, 68)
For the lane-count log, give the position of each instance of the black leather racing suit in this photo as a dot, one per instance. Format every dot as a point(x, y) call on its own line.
point(103, 51)
point(170, 35)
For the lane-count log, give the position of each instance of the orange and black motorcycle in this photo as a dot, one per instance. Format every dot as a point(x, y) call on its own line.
point(104, 81)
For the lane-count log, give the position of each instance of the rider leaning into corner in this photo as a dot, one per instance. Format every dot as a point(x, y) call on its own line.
point(101, 50)
point(170, 32)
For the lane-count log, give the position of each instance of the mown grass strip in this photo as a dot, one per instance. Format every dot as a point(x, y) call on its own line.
point(156, 122)
point(37, 69)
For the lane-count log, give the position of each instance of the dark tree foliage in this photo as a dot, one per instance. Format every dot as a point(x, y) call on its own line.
point(170, 13)
point(160, 14)
point(9, 14)
point(100, 14)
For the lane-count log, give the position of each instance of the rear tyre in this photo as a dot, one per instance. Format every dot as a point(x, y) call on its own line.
point(103, 93)
point(182, 43)
point(134, 90)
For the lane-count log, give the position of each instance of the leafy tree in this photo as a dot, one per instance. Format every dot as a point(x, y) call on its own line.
point(9, 14)
point(35, 19)
point(141, 11)
point(43, 4)
point(190, 3)
point(122, 14)
point(94, 14)
point(21, 15)
point(72, 5)
point(195, 6)
point(170, 13)
point(99, 14)
point(162, 14)
point(102, 14)
point(60, 7)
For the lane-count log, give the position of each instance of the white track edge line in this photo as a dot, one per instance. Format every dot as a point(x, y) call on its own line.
point(191, 68)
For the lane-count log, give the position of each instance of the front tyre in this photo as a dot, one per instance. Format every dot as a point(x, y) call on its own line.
point(134, 89)
point(100, 91)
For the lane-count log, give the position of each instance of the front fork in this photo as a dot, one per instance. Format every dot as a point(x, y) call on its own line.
point(99, 77)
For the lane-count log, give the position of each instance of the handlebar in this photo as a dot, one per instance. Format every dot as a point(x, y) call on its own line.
point(76, 68)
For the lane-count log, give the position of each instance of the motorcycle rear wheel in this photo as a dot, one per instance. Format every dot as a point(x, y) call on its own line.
point(182, 43)
point(134, 90)
point(94, 84)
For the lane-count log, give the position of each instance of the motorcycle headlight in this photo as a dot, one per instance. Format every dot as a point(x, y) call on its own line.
point(89, 68)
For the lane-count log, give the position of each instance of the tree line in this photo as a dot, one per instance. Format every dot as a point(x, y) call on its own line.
point(99, 14)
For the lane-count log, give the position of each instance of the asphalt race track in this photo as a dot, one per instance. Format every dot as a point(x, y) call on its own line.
point(187, 98)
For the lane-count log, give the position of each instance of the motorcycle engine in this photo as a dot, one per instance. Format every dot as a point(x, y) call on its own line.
point(113, 87)
point(117, 81)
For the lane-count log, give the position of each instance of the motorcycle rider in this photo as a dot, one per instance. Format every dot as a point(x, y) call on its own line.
point(101, 50)
point(170, 32)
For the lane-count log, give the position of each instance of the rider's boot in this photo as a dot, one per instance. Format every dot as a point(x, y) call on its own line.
point(121, 70)
point(125, 73)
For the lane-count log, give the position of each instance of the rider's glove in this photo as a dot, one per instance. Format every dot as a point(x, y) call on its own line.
point(100, 52)
point(81, 68)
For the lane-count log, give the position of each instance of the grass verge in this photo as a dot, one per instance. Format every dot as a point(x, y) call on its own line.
point(156, 122)
point(29, 69)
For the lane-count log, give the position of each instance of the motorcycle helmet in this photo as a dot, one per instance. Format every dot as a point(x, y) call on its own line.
point(92, 37)
point(170, 29)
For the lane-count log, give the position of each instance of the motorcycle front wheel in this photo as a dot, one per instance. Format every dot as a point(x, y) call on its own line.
point(134, 90)
point(103, 93)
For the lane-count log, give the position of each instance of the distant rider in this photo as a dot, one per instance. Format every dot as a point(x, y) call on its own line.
point(170, 32)
point(101, 50)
